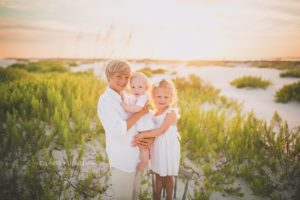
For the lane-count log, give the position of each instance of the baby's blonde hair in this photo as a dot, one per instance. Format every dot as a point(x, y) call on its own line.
point(165, 83)
point(117, 66)
point(141, 76)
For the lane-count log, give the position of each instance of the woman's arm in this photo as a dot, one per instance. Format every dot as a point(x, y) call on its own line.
point(169, 120)
point(131, 108)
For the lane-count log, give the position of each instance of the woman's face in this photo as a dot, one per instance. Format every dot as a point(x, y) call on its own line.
point(162, 97)
point(118, 82)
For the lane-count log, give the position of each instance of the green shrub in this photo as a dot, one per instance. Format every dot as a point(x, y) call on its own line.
point(9, 74)
point(42, 66)
point(18, 65)
point(250, 81)
point(149, 72)
point(288, 93)
point(226, 145)
point(72, 64)
point(38, 116)
point(277, 64)
point(295, 73)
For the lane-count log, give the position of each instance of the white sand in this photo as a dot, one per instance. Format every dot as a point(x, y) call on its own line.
point(88, 164)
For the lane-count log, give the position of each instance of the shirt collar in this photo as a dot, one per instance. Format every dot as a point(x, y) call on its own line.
point(114, 94)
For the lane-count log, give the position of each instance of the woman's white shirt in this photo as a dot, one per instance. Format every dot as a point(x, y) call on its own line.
point(121, 154)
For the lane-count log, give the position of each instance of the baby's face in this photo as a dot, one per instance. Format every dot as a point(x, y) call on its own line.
point(138, 86)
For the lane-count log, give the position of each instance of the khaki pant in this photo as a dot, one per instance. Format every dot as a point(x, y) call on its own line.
point(125, 186)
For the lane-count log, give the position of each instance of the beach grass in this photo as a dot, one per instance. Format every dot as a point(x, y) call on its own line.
point(288, 93)
point(226, 145)
point(250, 82)
point(9, 75)
point(45, 125)
point(42, 66)
point(148, 71)
point(294, 73)
point(281, 65)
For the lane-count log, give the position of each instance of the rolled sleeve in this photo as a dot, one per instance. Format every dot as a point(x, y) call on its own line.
point(111, 121)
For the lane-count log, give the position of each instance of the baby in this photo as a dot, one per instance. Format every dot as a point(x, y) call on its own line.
point(139, 88)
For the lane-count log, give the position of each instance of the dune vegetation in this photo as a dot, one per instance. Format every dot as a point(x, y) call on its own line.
point(294, 73)
point(250, 82)
point(226, 145)
point(150, 72)
point(47, 115)
point(288, 93)
point(10, 75)
point(43, 66)
point(281, 65)
point(49, 127)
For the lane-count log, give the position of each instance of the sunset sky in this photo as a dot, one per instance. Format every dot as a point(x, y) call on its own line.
point(165, 29)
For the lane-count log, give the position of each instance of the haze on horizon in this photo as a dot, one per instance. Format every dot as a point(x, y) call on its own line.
point(164, 29)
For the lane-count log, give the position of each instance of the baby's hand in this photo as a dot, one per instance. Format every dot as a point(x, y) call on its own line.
point(124, 104)
point(122, 95)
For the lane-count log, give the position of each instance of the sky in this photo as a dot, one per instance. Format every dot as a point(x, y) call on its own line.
point(163, 29)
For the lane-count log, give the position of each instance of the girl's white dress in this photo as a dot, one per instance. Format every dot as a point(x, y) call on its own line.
point(145, 123)
point(165, 152)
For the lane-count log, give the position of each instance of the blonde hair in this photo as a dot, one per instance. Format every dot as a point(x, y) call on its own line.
point(117, 66)
point(165, 83)
point(140, 75)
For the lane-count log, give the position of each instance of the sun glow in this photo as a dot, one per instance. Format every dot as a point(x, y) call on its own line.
point(166, 29)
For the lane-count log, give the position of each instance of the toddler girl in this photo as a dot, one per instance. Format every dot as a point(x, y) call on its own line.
point(139, 88)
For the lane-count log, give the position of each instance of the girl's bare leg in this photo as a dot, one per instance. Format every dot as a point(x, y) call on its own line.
point(158, 186)
point(169, 186)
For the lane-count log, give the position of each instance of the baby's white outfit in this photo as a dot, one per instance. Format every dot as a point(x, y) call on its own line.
point(165, 152)
point(145, 123)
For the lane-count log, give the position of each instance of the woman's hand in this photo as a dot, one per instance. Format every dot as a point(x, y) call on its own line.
point(144, 110)
point(147, 142)
point(139, 139)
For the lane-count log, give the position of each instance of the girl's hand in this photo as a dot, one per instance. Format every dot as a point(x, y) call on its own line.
point(137, 139)
point(139, 136)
